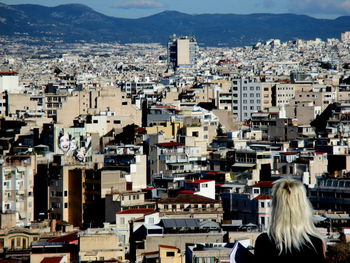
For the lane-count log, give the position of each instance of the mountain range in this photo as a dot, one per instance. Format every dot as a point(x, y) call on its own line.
point(76, 22)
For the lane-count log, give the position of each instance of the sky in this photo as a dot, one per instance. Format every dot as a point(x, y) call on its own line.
point(142, 8)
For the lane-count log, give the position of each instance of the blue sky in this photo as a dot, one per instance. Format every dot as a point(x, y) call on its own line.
point(141, 8)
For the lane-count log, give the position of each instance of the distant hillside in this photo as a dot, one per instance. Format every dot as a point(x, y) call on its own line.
point(76, 22)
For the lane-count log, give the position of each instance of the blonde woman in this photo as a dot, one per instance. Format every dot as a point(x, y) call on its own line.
point(292, 236)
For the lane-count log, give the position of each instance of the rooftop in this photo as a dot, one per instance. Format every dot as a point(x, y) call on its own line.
point(170, 144)
point(263, 197)
point(144, 211)
point(263, 184)
point(51, 260)
point(187, 199)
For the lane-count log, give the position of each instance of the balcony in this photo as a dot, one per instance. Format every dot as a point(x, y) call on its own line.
point(175, 159)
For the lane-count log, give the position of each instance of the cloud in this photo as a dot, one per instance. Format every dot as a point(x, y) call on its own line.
point(338, 7)
point(138, 4)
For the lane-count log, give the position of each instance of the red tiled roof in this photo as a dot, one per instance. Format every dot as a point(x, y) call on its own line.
point(9, 73)
point(148, 188)
point(199, 181)
point(289, 153)
point(171, 144)
point(52, 260)
point(163, 107)
point(320, 152)
point(187, 199)
point(138, 130)
point(168, 246)
point(266, 184)
point(137, 211)
point(66, 238)
point(263, 197)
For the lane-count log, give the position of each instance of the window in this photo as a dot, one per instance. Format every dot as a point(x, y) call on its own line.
point(257, 95)
point(124, 103)
point(66, 193)
point(195, 134)
point(151, 220)
point(251, 95)
point(116, 121)
point(65, 205)
point(244, 101)
point(262, 204)
point(257, 88)
point(95, 121)
point(55, 205)
point(122, 220)
point(170, 254)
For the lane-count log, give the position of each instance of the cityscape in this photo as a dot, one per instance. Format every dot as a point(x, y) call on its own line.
point(168, 152)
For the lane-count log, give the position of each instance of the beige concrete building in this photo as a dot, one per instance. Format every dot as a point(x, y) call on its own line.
point(178, 240)
point(100, 244)
point(170, 129)
point(17, 238)
point(169, 254)
point(96, 101)
point(191, 206)
point(112, 181)
point(284, 93)
point(183, 52)
point(266, 94)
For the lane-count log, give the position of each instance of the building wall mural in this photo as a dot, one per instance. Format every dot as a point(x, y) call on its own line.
point(73, 143)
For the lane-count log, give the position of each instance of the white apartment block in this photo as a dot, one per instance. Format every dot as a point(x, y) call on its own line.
point(16, 188)
point(242, 99)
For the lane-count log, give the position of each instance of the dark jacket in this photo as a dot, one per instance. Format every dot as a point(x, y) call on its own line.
point(266, 251)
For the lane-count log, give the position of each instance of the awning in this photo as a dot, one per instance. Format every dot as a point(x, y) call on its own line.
point(243, 165)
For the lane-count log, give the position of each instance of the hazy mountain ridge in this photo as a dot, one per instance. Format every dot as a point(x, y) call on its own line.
point(76, 22)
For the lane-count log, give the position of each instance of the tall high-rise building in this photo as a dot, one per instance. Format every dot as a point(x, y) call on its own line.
point(182, 51)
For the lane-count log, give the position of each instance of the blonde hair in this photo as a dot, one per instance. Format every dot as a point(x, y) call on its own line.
point(291, 216)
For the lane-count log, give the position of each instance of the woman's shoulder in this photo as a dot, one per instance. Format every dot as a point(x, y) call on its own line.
point(263, 239)
point(263, 243)
point(316, 241)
